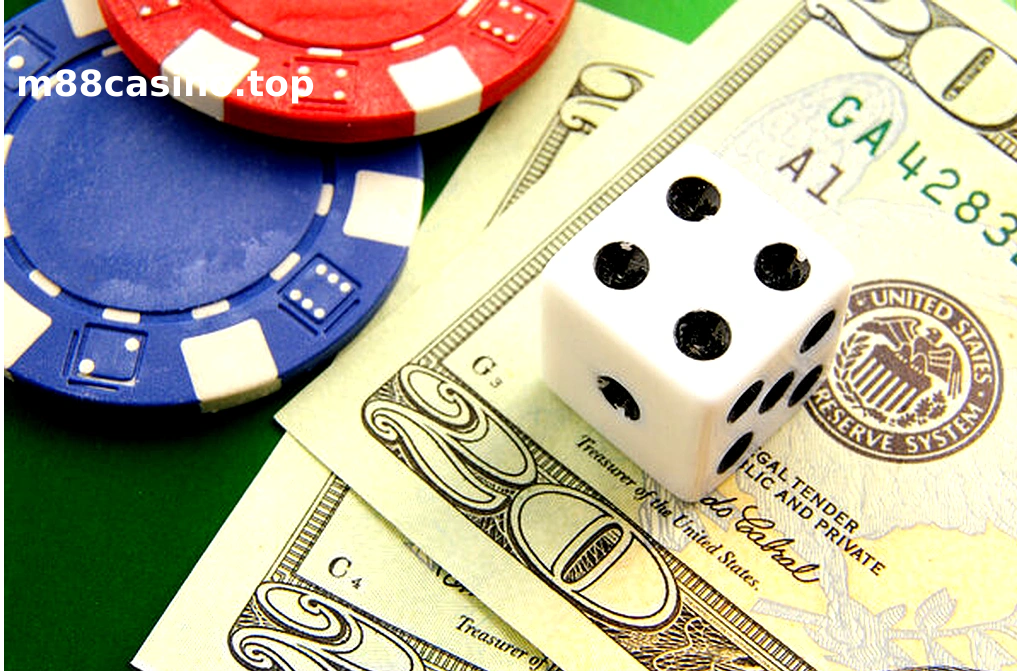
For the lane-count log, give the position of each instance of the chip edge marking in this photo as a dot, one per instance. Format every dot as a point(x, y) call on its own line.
point(121, 316)
point(467, 7)
point(192, 62)
point(247, 30)
point(230, 366)
point(210, 310)
point(8, 139)
point(84, 17)
point(407, 42)
point(48, 286)
point(284, 268)
point(324, 51)
point(24, 324)
point(385, 207)
point(440, 87)
point(325, 199)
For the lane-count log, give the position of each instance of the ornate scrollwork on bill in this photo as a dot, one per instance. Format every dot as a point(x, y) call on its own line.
point(560, 528)
point(291, 623)
point(940, 55)
point(471, 456)
point(599, 91)
point(292, 627)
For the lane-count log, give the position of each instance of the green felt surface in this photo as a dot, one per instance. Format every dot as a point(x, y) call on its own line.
point(106, 510)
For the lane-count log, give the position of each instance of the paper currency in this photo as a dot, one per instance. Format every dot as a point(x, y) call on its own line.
point(308, 577)
point(600, 65)
point(875, 531)
point(301, 550)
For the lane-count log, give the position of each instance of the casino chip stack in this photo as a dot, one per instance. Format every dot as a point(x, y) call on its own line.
point(154, 256)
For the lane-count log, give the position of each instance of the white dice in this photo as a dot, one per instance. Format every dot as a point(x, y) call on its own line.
point(690, 319)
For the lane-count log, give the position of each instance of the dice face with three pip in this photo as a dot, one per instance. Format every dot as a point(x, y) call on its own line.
point(690, 319)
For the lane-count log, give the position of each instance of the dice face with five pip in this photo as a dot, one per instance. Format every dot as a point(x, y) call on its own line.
point(690, 319)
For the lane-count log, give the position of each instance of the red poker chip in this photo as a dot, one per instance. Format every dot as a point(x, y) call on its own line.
point(379, 69)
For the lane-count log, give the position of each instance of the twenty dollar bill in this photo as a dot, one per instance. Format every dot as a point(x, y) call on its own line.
point(877, 530)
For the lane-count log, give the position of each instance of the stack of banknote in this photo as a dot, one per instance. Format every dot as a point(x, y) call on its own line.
point(434, 506)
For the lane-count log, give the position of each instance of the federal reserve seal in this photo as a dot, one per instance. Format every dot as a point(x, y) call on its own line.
point(916, 376)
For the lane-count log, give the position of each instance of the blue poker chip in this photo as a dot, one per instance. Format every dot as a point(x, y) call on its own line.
point(155, 257)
